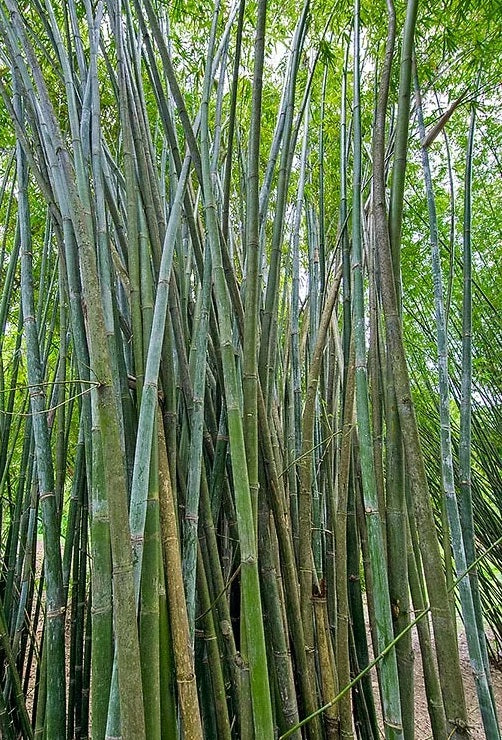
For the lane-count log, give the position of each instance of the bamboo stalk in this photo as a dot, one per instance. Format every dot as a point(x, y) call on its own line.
point(262, 710)
point(56, 700)
point(389, 676)
point(183, 653)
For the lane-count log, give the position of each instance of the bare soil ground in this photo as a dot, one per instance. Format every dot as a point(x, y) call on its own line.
point(422, 723)
point(474, 717)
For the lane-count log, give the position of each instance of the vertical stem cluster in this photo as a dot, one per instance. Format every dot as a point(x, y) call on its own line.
point(233, 488)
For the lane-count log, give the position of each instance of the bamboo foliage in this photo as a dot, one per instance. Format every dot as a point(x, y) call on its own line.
point(214, 491)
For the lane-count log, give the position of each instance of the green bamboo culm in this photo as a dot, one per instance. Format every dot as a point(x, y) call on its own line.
point(198, 355)
point(55, 722)
point(262, 710)
point(390, 682)
point(395, 502)
point(487, 703)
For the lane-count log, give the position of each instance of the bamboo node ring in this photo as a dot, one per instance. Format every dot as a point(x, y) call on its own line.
point(54, 613)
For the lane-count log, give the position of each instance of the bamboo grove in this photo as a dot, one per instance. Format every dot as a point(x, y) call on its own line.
point(249, 404)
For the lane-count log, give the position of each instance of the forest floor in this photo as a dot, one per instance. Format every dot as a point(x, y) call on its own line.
point(422, 722)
